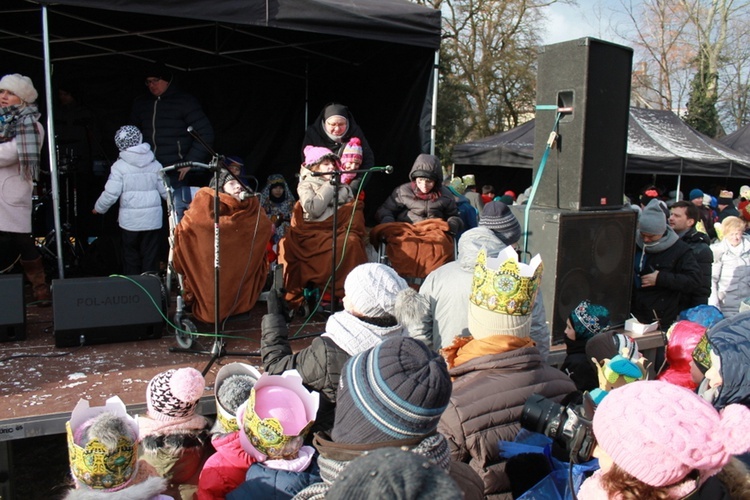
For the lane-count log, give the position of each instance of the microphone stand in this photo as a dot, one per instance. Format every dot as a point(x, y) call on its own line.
point(336, 181)
point(218, 349)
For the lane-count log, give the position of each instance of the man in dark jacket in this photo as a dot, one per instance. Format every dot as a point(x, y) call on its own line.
point(726, 205)
point(682, 219)
point(164, 117)
point(665, 269)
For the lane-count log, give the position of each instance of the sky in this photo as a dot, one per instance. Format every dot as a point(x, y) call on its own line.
point(595, 18)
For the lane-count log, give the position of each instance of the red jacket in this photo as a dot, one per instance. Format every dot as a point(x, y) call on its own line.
point(224, 470)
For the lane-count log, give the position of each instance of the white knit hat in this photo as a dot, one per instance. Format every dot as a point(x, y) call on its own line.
point(372, 288)
point(127, 137)
point(20, 85)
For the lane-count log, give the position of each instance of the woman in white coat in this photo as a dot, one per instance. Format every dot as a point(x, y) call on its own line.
point(730, 272)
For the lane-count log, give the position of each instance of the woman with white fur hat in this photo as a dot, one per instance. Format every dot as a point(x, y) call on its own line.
point(21, 138)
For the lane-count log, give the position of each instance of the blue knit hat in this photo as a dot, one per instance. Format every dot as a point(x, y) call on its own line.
point(395, 390)
point(695, 193)
point(589, 319)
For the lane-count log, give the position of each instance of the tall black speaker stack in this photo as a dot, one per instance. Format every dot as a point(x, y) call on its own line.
point(577, 221)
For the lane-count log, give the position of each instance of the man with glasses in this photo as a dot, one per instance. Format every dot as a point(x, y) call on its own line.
point(164, 116)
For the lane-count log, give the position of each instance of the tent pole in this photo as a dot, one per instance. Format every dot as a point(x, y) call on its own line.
point(433, 124)
point(52, 144)
point(679, 182)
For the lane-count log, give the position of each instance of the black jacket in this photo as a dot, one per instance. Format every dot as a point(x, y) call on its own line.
point(315, 135)
point(700, 245)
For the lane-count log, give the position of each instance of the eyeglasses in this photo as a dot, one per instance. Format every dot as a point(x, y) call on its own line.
point(152, 81)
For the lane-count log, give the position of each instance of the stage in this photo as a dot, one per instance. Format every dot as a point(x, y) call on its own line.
point(42, 384)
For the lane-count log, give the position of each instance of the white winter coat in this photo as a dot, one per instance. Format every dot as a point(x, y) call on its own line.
point(134, 179)
point(730, 276)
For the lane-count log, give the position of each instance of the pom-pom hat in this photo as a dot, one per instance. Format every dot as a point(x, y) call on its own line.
point(659, 432)
point(352, 151)
point(589, 319)
point(174, 394)
point(227, 402)
point(503, 292)
point(127, 137)
point(315, 155)
point(20, 85)
point(277, 417)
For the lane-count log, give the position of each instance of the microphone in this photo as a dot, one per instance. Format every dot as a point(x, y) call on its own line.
point(388, 169)
point(247, 194)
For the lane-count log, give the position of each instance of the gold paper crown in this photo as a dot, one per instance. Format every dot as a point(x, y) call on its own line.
point(93, 464)
point(504, 285)
point(267, 434)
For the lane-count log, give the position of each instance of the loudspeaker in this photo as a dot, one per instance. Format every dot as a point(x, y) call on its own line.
point(586, 255)
point(586, 169)
point(104, 310)
point(13, 309)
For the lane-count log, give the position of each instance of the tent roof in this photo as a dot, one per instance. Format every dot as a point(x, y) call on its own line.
point(739, 140)
point(659, 142)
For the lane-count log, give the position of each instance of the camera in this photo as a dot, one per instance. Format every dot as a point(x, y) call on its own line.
point(569, 426)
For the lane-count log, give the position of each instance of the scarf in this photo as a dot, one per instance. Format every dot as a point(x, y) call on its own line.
point(19, 123)
point(465, 349)
point(432, 195)
point(665, 242)
point(354, 335)
point(434, 448)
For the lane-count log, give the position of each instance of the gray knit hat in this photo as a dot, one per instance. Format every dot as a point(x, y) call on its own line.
point(653, 219)
point(395, 390)
point(497, 216)
point(127, 137)
point(224, 177)
point(396, 474)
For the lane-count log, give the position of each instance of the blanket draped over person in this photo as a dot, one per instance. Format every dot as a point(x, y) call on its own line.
point(305, 251)
point(242, 261)
point(415, 250)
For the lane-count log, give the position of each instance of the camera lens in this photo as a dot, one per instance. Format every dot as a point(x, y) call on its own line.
point(538, 413)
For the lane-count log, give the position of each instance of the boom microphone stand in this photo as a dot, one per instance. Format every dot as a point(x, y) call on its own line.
point(336, 181)
point(218, 349)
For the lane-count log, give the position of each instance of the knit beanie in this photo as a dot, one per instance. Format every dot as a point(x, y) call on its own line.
point(659, 432)
point(396, 474)
point(276, 418)
point(503, 292)
point(457, 184)
point(695, 193)
point(395, 390)
point(725, 197)
point(231, 389)
point(372, 288)
point(315, 155)
point(589, 319)
point(352, 151)
point(127, 137)
point(224, 177)
point(497, 216)
point(21, 86)
point(174, 394)
point(653, 219)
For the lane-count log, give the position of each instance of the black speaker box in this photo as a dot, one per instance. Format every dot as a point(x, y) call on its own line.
point(104, 310)
point(13, 308)
point(586, 255)
point(586, 169)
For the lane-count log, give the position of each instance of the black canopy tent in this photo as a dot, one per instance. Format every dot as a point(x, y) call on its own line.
point(261, 69)
point(659, 142)
point(739, 140)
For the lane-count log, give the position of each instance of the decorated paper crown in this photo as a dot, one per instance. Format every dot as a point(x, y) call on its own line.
point(702, 354)
point(225, 417)
point(277, 417)
point(504, 285)
point(91, 463)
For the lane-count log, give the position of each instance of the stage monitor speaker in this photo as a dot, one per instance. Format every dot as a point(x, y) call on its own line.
point(107, 309)
point(586, 169)
point(13, 309)
point(586, 255)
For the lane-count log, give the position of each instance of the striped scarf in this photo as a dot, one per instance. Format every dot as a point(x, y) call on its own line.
point(19, 123)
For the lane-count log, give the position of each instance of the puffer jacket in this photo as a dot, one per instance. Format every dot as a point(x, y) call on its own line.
point(730, 275)
point(134, 179)
point(224, 470)
point(316, 195)
point(274, 484)
point(404, 206)
point(449, 286)
point(489, 393)
point(699, 243)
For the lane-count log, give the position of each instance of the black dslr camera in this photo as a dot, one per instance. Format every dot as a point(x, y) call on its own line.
point(569, 426)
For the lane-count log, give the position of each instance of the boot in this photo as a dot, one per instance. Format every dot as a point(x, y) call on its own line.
point(34, 270)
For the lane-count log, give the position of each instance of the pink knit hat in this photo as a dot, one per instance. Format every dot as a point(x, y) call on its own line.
point(352, 151)
point(315, 155)
point(659, 432)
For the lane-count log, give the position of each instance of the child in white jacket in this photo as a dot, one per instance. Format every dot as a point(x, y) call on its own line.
point(134, 179)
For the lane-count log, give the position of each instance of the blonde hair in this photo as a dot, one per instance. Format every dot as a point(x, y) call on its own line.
point(732, 223)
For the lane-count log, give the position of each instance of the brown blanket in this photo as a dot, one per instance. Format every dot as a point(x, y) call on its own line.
point(243, 266)
point(415, 250)
point(305, 251)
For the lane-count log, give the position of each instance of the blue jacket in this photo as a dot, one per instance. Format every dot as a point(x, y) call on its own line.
point(262, 482)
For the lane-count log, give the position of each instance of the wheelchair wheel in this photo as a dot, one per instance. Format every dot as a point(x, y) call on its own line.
point(185, 338)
